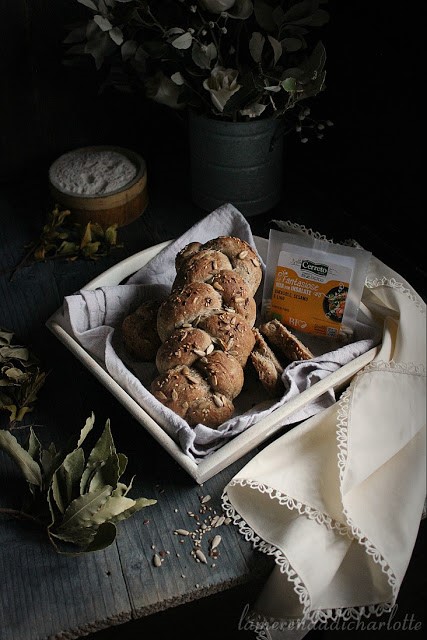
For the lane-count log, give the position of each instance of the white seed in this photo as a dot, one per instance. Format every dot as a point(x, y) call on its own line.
point(217, 400)
point(215, 542)
point(209, 349)
point(175, 395)
point(181, 532)
point(201, 556)
point(157, 561)
point(214, 521)
point(220, 521)
point(205, 499)
point(199, 352)
point(243, 254)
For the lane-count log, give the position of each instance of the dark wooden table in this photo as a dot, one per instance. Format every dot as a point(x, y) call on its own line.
point(47, 595)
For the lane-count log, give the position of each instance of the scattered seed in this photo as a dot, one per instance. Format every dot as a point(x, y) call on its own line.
point(227, 521)
point(243, 254)
point(175, 395)
point(192, 379)
point(199, 352)
point(181, 532)
point(215, 542)
point(201, 556)
point(209, 349)
point(220, 521)
point(255, 262)
point(153, 546)
point(205, 499)
point(157, 561)
point(182, 575)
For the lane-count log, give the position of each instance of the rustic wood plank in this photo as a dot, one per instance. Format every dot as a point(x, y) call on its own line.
point(45, 595)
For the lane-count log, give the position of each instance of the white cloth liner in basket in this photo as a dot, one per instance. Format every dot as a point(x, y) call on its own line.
point(93, 318)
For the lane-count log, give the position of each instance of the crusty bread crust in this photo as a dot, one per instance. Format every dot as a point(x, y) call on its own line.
point(205, 326)
point(285, 341)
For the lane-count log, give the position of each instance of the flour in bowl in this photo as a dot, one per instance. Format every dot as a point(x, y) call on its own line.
point(91, 172)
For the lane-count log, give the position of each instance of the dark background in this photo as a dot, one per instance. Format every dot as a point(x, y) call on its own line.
point(366, 163)
point(365, 168)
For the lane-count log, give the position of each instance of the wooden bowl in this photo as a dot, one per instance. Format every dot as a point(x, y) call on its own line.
point(121, 206)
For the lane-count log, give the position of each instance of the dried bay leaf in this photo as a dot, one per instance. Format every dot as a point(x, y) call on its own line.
point(77, 496)
point(81, 510)
point(25, 462)
point(20, 377)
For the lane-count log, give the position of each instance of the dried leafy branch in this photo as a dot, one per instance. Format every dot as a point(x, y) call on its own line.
point(61, 238)
point(21, 378)
point(76, 494)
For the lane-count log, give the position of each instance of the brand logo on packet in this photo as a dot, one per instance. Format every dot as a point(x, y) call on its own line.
point(313, 267)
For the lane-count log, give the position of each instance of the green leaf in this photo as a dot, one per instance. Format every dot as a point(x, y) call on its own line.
point(87, 428)
point(102, 450)
point(34, 445)
point(277, 48)
point(256, 44)
point(140, 503)
point(105, 535)
point(116, 35)
point(19, 353)
point(107, 473)
point(291, 44)
point(59, 487)
point(81, 510)
point(183, 41)
point(6, 336)
point(89, 3)
point(264, 15)
point(103, 23)
point(66, 479)
point(23, 459)
point(123, 461)
point(112, 508)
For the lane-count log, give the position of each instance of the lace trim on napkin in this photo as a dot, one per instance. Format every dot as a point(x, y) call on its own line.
point(395, 284)
point(317, 616)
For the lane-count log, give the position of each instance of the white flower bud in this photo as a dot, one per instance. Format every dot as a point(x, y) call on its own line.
point(222, 84)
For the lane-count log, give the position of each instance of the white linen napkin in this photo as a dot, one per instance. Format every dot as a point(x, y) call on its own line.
point(93, 318)
point(338, 499)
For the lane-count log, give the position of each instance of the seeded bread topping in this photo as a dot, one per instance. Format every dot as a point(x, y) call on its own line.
point(206, 329)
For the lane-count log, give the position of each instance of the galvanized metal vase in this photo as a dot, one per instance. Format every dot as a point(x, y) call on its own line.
point(237, 162)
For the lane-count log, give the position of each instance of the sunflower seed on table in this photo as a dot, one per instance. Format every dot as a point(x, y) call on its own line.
point(201, 556)
point(215, 542)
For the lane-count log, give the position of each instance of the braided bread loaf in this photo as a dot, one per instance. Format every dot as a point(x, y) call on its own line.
point(205, 326)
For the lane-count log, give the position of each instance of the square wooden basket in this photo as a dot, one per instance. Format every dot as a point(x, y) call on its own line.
point(242, 443)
